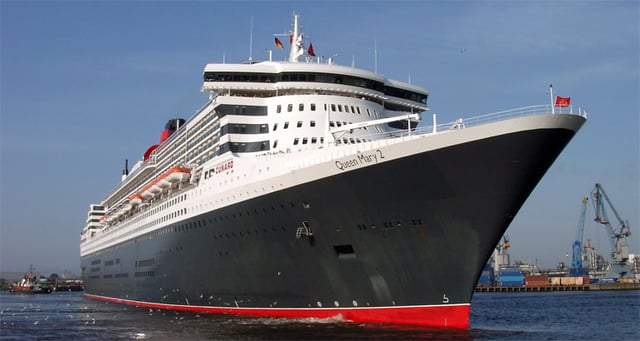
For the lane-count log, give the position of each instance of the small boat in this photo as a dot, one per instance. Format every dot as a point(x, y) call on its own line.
point(155, 188)
point(163, 182)
point(146, 193)
point(29, 285)
point(178, 174)
point(136, 199)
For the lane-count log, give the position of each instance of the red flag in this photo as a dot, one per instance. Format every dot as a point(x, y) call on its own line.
point(562, 101)
point(291, 39)
point(279, 43)
point(310, 50)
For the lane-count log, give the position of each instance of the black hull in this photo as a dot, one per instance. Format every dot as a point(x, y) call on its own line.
point(410, 232)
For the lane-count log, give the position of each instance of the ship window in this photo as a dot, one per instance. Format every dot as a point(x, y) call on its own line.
point(325, 107)
point(304, 140)
point(339, 124)
point(299, 124)
point(301, 107)
point(346, 108)
point(313, 107)
point(314, 139)
point(275, 126)
point(290, 107)
point(340, 107)
point(312, 123)
point(333, 107)
point(344, 251)
point(295, 141)
point(332, 124)
point(358, 108)
point(279, 109)
point(286, 125)
point(275, 143)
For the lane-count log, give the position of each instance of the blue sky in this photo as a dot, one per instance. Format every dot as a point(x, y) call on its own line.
point(85, 85)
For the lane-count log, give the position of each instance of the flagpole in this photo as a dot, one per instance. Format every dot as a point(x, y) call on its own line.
point(551, 95)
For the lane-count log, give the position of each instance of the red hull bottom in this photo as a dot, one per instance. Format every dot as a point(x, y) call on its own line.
point(440, 316)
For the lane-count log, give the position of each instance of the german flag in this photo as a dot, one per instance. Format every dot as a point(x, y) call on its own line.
point(279, 43)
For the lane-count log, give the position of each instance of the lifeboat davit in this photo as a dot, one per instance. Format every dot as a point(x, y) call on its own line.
point(136, 199)
point(178, 174)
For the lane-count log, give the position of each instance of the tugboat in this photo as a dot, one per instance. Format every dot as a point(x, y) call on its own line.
point(29, 285)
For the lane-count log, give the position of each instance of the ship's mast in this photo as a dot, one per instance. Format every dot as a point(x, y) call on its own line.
point(297, 50)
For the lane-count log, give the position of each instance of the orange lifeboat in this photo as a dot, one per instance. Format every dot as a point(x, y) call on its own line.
point(154, 188)
point(136, 199)
point(163, 182)
point(146, 193)
point(178, 174)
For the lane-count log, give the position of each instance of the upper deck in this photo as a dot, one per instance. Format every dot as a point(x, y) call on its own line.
point(268, 79)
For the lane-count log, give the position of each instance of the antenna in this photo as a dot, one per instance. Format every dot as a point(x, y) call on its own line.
point(375, 54)
point(251, 41)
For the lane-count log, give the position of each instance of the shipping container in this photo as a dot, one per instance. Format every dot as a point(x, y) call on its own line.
point(571, 280)
point(536, 280)
point(510, 283)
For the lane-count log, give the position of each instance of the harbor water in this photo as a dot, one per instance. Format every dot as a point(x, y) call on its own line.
point(494, 316)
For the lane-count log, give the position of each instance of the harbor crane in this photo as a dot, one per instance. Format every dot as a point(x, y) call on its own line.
point(577, 269)
point(619, 267)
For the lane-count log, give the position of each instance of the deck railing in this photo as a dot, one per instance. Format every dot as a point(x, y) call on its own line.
point(387, 138)
point(508, 114)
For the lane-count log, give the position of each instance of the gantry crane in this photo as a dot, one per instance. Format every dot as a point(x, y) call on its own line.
point(619, 267)
point(577, 269)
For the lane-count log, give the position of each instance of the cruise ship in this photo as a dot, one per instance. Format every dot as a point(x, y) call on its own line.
point(307, 189)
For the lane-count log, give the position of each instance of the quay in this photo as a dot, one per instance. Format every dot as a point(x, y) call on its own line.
point(550, 288)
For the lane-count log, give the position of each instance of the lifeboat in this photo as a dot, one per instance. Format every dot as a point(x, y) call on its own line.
point(127, 208)
point(136, 199)
point(163, 182)
point(146, 193)
point(154, 188)
point(178, 174)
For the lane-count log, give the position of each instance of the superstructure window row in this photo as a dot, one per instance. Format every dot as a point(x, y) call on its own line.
point(244, 147)
point(250, 110)
point(244, 128)
point(211, 76)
